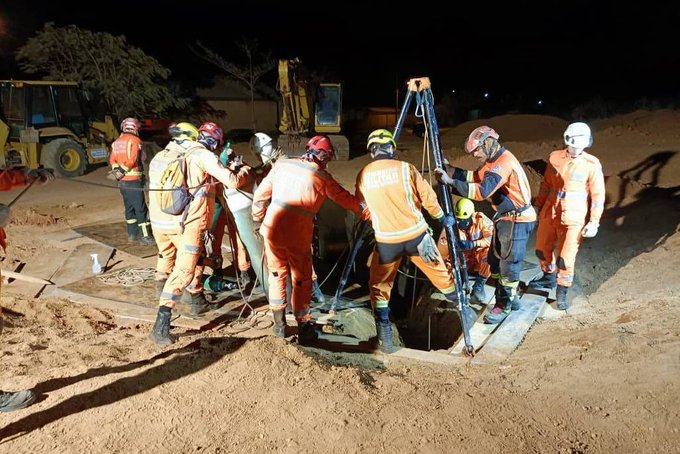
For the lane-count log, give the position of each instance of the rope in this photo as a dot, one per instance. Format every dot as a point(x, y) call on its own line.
point(128, 277)
point(144, 189)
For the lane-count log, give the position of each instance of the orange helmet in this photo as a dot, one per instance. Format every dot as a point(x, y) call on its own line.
point(478, 136)
point(130, 125)
point(321, 147)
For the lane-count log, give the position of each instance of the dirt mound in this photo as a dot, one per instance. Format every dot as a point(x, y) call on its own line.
point(29, 216)
point(516, 128)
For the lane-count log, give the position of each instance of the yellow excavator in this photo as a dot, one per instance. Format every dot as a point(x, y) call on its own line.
point(309, 109)
point(52, 124)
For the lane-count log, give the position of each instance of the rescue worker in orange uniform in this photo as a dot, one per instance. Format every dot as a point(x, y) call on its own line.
point(285, 204)
point(10, 179)
point(181, 238)
point(570, 203)
point(395, 193)
point(502, 180)
point(127, 164)
point(475, 231)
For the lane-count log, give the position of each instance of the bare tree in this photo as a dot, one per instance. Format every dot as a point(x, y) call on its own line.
point(259, 63)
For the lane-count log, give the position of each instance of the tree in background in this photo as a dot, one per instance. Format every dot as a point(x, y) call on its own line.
point(129, 81)
point(259, 63)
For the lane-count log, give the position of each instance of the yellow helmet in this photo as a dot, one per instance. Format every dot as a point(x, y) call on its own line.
point(464, 209)
point(380, 136)
point(183, 131)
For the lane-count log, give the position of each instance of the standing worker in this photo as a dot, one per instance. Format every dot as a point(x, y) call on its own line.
point(502, 180)
point(180, 238)
point(127, 164)
point(395, 194)
point(285, 204)
point(475, 231)
point(10, 179)
point(570, 203)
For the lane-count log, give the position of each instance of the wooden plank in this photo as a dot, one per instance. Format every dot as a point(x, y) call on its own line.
point(478, 334)
point(114, 234)
point(78, 265)
point(511, 332)
point(431, 357)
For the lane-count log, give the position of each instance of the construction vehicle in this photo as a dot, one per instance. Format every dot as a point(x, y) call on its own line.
point(51, 124)
point(309, 109)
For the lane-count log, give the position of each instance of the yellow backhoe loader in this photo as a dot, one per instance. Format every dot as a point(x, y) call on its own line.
point(309, 109)
point(51, 124)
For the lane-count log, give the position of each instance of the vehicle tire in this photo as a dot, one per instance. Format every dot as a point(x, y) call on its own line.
point(65, 156)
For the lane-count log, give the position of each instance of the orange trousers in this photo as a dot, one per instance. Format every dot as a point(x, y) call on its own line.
point(179, 261)
point(568, 239)
point(292, 259)
point(475, 260)
point(385, 262)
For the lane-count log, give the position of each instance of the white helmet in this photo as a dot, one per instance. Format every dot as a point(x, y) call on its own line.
point(578, 135)
point(262, 144)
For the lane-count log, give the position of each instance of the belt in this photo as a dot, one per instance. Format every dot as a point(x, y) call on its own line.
point(514, 213)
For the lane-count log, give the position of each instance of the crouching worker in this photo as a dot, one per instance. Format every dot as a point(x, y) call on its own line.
point(475, 231)
point(285, 204)
point(395, 193)
point(181, 236)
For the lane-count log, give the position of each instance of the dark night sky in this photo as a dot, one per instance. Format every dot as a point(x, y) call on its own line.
point(555, 50)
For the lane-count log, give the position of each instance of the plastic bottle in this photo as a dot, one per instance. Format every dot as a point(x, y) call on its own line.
point(96, 266)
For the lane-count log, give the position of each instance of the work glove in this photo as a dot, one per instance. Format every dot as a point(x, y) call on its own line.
point(448, 221)
point(41, 173)
point(467, 245)
point(442, 176)
point(590, 230)
point(427, 249)
point(236, 163)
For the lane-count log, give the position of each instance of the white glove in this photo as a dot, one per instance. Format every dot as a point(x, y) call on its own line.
point(590, 230)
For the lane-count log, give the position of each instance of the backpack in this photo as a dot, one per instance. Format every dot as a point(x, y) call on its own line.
point(174, 194)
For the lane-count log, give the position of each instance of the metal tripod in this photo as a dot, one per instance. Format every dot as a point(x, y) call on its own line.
point(421, 90)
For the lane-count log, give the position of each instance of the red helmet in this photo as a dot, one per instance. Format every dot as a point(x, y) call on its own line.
point(322, 148)
point(210, 130)
point(478, 136)
point(130, 125)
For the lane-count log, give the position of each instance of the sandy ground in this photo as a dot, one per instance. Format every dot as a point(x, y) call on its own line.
point(603, 379)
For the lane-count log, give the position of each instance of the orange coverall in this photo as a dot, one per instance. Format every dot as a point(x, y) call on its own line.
point(481, 232)
point(286, 202)
point(127, 153)
point(395, 194)
point(179, 252)
point(572, 193)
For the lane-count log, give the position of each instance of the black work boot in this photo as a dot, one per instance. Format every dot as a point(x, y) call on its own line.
point(198, 304)
point(478, 295)
point(501, 309)
point(548, 280)
point(279, 322)
point(384, 328)
point(306, 333)
point(561, 296)
point(160, 334)
point(159, 287)
point(186, 298)
point(17, 400)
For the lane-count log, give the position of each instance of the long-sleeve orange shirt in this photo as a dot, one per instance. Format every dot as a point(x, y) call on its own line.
point(289, 197)
point(572, 189)
point(395, 193)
